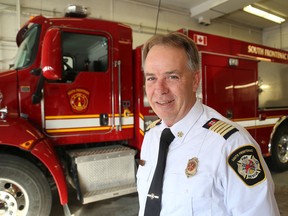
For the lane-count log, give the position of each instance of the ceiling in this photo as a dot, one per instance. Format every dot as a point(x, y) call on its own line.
point(206, 11)
point(222, 10)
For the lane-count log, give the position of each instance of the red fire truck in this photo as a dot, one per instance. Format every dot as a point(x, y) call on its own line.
point(73, 109)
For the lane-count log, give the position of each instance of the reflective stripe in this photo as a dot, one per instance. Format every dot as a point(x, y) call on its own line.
point(141, 124)
point(78, 129)
point(257, 123)
point(84, 122)
point(93, 121)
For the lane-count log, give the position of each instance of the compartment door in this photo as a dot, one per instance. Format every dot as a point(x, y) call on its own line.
point(231, 90)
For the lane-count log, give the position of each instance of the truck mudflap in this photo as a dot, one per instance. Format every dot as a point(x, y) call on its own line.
point(103, 172)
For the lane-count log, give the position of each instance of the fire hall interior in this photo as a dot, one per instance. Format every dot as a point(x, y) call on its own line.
point(225, 18)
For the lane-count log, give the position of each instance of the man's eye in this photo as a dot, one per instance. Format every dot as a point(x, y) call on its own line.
point(150, 78)
point(173, 77)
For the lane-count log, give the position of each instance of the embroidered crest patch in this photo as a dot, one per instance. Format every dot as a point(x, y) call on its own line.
point(220, 127)
point(246, 164)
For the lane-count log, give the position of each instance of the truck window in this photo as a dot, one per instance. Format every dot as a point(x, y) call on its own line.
point(83, 52)
point(28, 48)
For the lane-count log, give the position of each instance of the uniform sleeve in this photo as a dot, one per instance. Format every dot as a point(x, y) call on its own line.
point(141, 176)
point(247, 182)
point(144, 172)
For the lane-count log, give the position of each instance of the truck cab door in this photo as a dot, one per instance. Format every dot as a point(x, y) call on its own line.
point(78, 95)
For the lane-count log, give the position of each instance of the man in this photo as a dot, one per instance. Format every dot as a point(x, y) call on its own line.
point(213, 166)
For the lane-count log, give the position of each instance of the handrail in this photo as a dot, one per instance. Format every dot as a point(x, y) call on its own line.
point(119, 95)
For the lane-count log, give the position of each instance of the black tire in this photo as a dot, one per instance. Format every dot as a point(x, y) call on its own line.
point(24, 190)
point(279, 149)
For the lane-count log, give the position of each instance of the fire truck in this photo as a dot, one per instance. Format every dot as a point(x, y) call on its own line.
point(73, 109)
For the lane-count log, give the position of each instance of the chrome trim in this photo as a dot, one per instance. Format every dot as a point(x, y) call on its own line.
point(3, 112)
point(119, 95)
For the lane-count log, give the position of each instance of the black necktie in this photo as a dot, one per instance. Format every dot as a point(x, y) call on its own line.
point(153, 203)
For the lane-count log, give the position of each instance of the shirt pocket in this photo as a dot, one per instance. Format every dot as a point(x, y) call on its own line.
point(200, 189)
point(193, 195)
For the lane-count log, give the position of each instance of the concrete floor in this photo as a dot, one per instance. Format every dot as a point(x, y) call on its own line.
point(128, 205)
point(119, 206)
point(281, 191)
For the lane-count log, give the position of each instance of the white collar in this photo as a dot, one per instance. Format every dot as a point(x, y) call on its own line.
point(181, 128)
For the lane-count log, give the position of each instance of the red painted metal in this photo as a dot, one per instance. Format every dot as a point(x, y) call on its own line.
point(28, 138)
point(52, 64)
point(45, 152)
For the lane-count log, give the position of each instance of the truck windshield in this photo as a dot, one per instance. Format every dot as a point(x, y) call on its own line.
point(28, 48)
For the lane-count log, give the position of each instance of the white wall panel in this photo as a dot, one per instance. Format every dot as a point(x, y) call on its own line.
point(276, 37)
point(8, 30)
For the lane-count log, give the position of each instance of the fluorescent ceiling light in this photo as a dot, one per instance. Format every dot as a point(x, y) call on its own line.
point(263, 14)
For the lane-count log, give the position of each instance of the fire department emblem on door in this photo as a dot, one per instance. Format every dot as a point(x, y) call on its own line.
point(79, 100)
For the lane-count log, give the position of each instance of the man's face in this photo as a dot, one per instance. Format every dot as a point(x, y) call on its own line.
point(170, 85)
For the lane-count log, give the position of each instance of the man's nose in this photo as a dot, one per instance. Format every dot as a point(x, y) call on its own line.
point(161, 86)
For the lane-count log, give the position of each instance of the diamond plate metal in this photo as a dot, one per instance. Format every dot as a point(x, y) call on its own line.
point(105, 172)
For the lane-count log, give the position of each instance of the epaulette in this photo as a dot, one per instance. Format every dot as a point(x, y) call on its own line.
point(220, 127)
point(153, 124)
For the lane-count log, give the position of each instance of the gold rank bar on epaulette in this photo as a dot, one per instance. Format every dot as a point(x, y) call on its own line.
point(220, 127)
point(153, 124)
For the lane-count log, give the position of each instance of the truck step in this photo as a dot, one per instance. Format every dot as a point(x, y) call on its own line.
point(108, 193)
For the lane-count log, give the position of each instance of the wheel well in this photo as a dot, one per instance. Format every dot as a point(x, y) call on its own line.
point(6, 149)
point(284, 123)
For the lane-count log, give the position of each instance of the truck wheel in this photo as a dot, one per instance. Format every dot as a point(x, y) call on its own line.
point(24, 190)
point(279, 149)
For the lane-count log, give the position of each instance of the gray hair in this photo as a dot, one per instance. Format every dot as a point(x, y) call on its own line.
point(177, 40)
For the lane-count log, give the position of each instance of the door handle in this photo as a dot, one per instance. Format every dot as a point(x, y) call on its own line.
point(229, 114)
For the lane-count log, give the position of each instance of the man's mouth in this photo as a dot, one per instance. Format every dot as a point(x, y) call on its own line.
point(164, 102)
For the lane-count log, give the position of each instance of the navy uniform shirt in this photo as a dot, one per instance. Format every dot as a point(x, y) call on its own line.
point(214, 167)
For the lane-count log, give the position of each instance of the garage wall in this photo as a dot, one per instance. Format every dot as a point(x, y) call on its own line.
point(7, 38)
point(141, 17)
point(276, 37)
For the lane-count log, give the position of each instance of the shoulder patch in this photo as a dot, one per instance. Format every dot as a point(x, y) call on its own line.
point(220, 127)
point(247, 165)
point(153, 124)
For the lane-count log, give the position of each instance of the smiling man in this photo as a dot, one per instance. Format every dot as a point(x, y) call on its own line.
point(195, 161)
point(171, 83)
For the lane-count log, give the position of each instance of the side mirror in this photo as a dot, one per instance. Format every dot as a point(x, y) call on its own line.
point(51, 57)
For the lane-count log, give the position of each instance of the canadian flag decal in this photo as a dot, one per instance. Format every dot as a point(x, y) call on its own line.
point(200, 39)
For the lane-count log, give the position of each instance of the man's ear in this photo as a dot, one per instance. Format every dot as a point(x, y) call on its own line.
point(196, 80)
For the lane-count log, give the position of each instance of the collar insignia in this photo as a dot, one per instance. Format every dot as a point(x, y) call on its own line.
point(180, 134)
